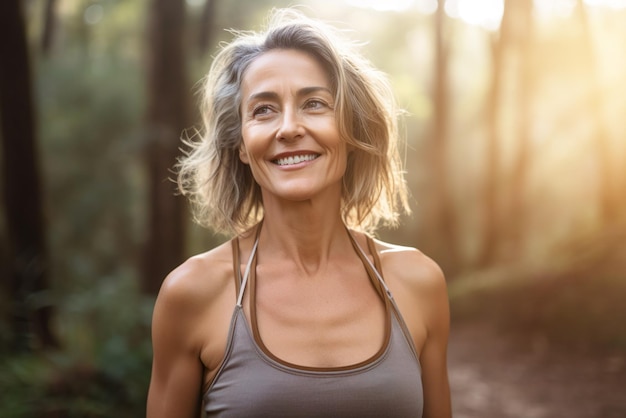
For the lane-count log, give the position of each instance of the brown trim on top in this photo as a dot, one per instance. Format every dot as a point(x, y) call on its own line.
point(371, 246)
point(236, 265)
point(377, 286)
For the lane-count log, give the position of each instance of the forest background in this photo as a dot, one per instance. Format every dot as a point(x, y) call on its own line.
point(515, 156)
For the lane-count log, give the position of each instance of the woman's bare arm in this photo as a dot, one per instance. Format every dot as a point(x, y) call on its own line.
point(419, 288)
point(177, 370)
point(433, 356)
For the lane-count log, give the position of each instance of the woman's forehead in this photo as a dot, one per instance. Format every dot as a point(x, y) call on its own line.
point(284, 68)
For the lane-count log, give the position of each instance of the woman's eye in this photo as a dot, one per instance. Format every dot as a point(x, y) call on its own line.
point(314, 104)
point(261, 110)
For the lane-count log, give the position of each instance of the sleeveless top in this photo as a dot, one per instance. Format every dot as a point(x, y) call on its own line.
point(251, 382)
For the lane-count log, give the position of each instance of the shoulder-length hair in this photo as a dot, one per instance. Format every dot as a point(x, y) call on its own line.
point(225, 196)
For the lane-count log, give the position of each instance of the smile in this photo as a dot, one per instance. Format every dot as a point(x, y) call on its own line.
point(295, 159)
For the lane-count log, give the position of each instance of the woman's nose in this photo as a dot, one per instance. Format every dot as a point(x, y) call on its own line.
point(290, 126)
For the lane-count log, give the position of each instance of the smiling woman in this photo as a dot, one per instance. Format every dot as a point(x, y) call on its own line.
point(364, 109)
point(302, 313)
point(291, 140)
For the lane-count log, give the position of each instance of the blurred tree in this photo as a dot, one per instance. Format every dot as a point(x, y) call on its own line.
point(444, 219)
point(491, 216)
point(49, 27)
point(22, 185)
point(517, 191)
point(206, 29)
point(516, 31)
point(167, 116)
point(609, 193)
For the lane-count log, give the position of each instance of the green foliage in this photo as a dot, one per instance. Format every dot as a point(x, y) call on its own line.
point(104, 367)
point(90, 103)
point(90, 113)
point(20, 384)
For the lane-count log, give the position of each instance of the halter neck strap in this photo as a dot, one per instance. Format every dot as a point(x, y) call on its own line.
point(364, 256)
point(246, 273)
point(355, 244)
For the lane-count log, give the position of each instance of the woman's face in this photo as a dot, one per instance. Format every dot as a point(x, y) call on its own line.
point(290, 136)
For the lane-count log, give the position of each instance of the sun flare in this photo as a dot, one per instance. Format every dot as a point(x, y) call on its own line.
point(483, 13)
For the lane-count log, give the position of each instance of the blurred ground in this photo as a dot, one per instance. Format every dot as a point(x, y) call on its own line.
point(502, 376)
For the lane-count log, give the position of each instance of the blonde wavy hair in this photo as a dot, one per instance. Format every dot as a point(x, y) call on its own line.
point(222, 190)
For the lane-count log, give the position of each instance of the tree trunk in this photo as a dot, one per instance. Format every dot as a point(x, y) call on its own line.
point(444, 219)
point(49, 27)
point(492, 216)
point(518, 189)
point(167, 117)
point(609, 194)
point(22, 185)
point(205, 33)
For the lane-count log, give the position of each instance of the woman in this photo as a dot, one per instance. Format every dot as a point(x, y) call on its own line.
point(295, 315)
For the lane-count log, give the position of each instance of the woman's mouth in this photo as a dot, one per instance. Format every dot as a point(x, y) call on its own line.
point(295, 159)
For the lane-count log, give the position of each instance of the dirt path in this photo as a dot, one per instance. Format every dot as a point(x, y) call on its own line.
point(496, 376)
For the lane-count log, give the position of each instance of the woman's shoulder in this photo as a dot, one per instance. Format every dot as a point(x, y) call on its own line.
point(419, 288)
point(409, 265)
point(200, 278)
point(187, 314)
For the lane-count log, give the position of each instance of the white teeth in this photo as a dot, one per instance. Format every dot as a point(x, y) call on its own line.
point(295, 159)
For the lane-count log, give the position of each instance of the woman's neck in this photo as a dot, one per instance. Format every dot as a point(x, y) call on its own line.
point(306, 232)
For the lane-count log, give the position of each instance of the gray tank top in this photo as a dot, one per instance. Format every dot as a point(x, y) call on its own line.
point(251, 382)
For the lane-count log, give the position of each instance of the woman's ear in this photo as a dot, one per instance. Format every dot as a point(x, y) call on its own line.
point(243, 154)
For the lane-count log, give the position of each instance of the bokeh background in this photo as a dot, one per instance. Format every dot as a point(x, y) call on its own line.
point(515, 156)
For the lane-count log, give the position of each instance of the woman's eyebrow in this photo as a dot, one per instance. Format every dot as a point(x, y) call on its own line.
point(270, 95)
point(263, 95)
point(305, 91)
